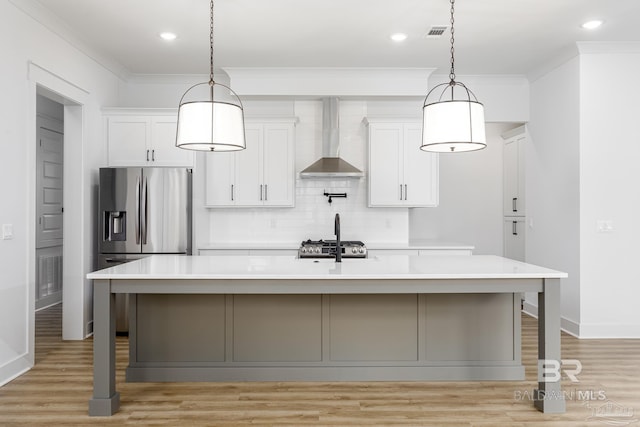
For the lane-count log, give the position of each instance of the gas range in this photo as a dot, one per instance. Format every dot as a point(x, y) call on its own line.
point(326, 249)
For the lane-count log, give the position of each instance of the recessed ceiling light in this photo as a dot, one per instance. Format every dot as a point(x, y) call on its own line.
point(592, 25)
point(167, 36)
point(398, 37)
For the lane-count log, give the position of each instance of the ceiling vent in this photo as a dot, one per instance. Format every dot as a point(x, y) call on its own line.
point(436, 32)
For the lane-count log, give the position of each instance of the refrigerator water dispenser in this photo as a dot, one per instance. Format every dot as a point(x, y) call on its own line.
point(115, 225)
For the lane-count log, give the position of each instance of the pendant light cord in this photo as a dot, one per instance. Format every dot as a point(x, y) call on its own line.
point(452, 73)
point(211, 82)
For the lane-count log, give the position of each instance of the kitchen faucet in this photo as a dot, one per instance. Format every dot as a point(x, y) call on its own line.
point(336, 230)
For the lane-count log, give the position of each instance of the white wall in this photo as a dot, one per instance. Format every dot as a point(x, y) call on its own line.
point(553, 179)
point(159, 91)
point(609, 154)
point(470, 209)
point(22, 40)
point(505, 97)
point(582, 168)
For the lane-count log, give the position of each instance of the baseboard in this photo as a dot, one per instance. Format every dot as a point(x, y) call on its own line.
point(567, 325)
point(13, 369)
point(591, 330)
point(609, 331)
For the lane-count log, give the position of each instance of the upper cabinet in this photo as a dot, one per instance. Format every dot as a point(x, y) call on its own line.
point(260, 175)
point(514, 171)
point(400, 174)
point(143, 137)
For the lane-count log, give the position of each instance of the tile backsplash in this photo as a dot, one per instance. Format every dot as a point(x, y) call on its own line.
point(312, 217)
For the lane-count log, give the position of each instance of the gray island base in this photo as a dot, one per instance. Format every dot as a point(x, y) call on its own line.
point(395, 318)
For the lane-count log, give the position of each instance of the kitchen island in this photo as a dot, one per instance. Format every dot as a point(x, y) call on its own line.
point(262, 318)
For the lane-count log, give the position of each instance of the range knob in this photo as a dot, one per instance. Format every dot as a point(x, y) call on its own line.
point(317, 250)
point(303, 250)
point(354, 250)
point(361, 250)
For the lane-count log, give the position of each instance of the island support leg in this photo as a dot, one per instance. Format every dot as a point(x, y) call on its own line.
point(105, 400)
point(548, 396)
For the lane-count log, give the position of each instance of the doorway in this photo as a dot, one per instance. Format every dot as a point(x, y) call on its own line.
point(49, 202)
point(76, 250)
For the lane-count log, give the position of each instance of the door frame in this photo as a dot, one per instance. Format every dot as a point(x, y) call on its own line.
point(76, 254)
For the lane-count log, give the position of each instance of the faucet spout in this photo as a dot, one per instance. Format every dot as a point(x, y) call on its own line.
point(336, 230)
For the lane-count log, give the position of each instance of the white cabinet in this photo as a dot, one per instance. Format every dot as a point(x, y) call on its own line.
point(514, 172)
point(514, 235)
point(514, 165)
point(260, 175)
point(143, 138)
point(400, 174)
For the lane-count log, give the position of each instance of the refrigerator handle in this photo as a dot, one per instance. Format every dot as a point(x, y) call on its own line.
point(137, 210)
point(143, 216)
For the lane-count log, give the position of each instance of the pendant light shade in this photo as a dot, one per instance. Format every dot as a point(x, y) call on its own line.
point(210, 124)
point(452, 117)
point(453, 125)
point(210, 114)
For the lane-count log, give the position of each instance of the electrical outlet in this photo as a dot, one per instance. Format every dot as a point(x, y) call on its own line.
point(7, 231)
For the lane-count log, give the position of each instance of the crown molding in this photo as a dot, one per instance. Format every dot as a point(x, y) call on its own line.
point(297, 82)
point(608, 47)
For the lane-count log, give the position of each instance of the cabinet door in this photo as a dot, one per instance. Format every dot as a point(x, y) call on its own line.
point(248, 173)
point(385, 160)
point(127, 140)
point(514, 177)
point(220, 179)
point(514, 238)
point(278, 165)
point(420, 170)
point(163, 144)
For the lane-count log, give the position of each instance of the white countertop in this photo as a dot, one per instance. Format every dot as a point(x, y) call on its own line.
point(424, 244)
point(290, 268)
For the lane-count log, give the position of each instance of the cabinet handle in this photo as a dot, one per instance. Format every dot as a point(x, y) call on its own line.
point(232, 192)
point(260, 192)
point(147, 155)
point(401, 192)
point(514, 204)
point(514, 228)
point(266, 191)
point(153, 155)
point(405, 192)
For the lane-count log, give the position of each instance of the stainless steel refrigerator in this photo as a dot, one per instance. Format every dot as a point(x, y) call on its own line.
point(143, 211)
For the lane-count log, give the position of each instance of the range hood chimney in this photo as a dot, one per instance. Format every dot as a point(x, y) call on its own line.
point(330, 165)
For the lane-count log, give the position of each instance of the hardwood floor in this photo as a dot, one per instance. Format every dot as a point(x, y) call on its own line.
point(56, 392)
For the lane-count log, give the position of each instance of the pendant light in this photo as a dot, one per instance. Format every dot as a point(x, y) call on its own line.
point(451, 124)
point(212, 120)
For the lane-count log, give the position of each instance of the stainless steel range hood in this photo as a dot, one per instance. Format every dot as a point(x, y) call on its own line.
point(330, 165)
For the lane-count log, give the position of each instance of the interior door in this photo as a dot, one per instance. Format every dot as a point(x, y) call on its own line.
point(49, 184)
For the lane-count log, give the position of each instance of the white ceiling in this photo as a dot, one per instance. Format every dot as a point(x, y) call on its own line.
point(492, 36)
